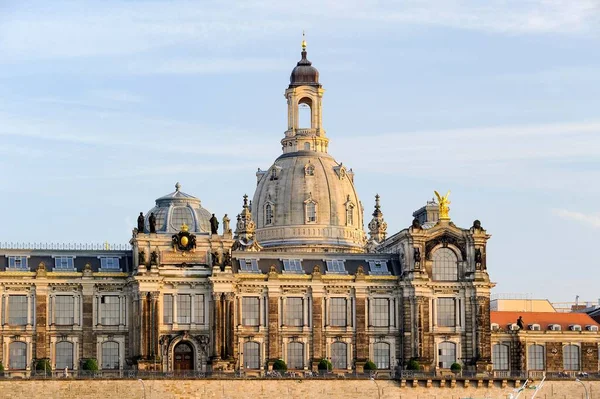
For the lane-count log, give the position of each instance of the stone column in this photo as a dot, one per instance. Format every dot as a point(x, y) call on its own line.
point(228, 324)
point(217, 325)
point(87, 324)
point(41, 338)
point(273, 324)
point(484, 334)
point(317, 336)
point(154, 350)
point(362, 343)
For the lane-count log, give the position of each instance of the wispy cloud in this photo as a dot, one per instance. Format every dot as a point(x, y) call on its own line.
point(589, 219)
point(124, 28)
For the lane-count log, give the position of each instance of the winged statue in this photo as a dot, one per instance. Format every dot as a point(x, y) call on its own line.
point(443, 203)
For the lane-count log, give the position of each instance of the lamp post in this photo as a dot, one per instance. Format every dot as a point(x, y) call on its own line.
point(584, 388)
point(143, 387)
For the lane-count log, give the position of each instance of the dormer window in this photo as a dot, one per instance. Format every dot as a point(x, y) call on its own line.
point(292, 265)
point(309, 170)
point(534, 327)
point(17, 262)
point(575, 327)
point(513, 327)
point(378, 267)
point(495, 327)
point(554, 327)
point(109, 264)
point(336, 266)
point(591, 328)
point(64, 263)
point(249, 265)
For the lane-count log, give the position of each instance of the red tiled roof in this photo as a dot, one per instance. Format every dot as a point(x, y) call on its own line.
point(544, 319)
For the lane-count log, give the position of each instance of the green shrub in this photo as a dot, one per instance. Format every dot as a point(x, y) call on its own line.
point(1, 367)
point(369, 365)
point(455, 368)
point(279, 365)
point(43, 365)
point(90, 364)
point(413, 365)
point(325, 364)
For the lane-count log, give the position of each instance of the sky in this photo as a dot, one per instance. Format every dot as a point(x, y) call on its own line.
point(104, 106)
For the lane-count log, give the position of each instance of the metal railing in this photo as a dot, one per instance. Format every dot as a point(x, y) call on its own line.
point(66, 246)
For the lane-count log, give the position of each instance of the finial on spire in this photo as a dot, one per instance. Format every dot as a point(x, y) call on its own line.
point(177, 186)
point(245, 201)
point(303, 41)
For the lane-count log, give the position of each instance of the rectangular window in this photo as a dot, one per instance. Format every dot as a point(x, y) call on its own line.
point(17, 310)
point(63, 263)
point(17, 262)
point(446, 312)
point(292, 265)
point(294, 312)
point(109, 263)
point(64, 355)
point(500, 357)
point(249, 265)
point(167, 309)
point(381, 312)
point(535, 357)
point(109, 310)
point(336, 266)
point(338, 312)
point(378, 267)
point(184, 309)
point(64, 310)
point(199, 309)
point(250, 313)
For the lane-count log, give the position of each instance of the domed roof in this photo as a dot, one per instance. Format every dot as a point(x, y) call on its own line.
point(304, 74)
point(308, 199)
point(175, 209)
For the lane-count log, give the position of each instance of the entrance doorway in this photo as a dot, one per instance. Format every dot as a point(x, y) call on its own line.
point(183, 357)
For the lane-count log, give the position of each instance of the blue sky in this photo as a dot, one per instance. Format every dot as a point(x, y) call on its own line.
point(105, 105)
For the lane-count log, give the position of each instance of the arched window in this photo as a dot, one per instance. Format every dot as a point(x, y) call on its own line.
point(339, 358)
point(295, 355)
point(535, 357)
point(306, 146)
point(311, 212)
point(64, 355)
point(350, 215)
point(17, 357)
point(571, 357)
point(500, 357)
point(381, 355)
point(252, 355)
point(305, 113)
point(445, 265)
point(446, 354)
point(110, 355)
point(268, 214)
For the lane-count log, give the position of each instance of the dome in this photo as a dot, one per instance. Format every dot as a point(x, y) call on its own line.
point(175, 209)
point(304, 74)
point(308, 200)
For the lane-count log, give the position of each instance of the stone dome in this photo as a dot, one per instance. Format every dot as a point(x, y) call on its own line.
point(304, 74)
point(308, 200)
point(175, 209)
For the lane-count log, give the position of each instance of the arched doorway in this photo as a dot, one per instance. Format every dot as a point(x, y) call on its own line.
point(183, 357)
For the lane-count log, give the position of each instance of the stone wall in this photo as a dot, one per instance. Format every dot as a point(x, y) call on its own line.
point(350, 389)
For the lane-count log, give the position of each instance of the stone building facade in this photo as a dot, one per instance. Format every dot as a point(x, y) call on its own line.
point(294, 276)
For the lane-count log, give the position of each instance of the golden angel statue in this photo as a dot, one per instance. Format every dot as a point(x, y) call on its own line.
point(443, 202)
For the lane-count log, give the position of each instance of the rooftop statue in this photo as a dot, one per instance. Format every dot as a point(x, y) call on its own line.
point(443, 203)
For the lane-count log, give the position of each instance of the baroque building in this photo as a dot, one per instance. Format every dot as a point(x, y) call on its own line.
point(296, 277)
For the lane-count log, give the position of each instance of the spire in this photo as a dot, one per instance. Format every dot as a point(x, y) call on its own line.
point(377, 227)
point(245, 239)
point(303, 42)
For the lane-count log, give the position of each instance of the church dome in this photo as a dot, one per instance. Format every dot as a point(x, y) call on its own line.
point(175, 209)
point(308, 200)
point(304, 74)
